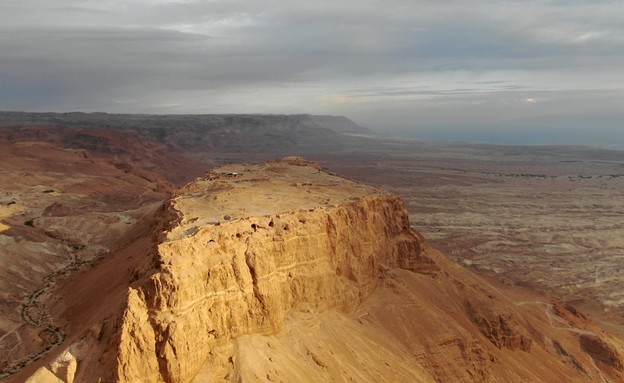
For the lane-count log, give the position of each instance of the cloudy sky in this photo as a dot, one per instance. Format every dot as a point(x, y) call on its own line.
point(499, 71)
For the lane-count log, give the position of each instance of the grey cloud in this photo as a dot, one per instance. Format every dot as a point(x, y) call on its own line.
point(311, 56)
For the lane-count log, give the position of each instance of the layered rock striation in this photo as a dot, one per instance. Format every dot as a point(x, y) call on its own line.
point(285, 272)
point(241, 255)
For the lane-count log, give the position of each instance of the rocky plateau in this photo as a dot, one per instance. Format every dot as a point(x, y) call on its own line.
point(284, 272)
point(116, 268)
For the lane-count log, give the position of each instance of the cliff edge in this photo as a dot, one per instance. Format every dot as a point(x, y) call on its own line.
point(286, 272)
point(249, 244)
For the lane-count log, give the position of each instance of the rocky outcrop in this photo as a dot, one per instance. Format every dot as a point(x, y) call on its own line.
point(601, 351)
point(499, 325)
point(243, 277)
point(286, 272)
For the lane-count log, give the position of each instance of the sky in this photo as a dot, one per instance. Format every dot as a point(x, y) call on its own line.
point(496, 71)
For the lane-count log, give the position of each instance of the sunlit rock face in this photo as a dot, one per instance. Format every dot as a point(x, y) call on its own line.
point(284, 271)
point(250, 243)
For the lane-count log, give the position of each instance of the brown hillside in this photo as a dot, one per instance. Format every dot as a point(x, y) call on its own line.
point(285, 272)
point(64, 206)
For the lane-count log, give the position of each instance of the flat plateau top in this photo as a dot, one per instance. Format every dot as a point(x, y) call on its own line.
point(239, 191)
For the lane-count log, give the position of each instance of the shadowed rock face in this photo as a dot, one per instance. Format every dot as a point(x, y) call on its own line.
point(602, 351)
point(128, 151)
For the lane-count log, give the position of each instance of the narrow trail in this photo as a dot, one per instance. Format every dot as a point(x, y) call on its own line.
point(556, 319)
point(33, 310)
point(35, 314)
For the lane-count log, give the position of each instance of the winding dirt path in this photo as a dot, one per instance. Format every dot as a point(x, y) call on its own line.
point(35, 314)
point(556, 319)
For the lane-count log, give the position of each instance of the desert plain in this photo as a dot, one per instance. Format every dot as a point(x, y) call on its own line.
point(534, 236)
point(550, 218)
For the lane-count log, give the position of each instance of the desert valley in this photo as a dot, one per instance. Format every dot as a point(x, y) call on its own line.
point(283, 248)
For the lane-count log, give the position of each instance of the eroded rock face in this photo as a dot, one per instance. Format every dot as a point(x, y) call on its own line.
point(286, 272)
point(242, 276)
point(499, 325)
point(601, 351)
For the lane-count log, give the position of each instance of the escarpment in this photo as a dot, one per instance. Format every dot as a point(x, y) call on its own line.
point(285, 272)
point(242, 274)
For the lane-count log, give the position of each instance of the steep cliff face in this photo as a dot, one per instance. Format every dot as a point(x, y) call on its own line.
point(284, 272)
point(241, 276)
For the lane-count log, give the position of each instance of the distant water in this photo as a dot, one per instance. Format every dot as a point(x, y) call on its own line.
point(608, 139)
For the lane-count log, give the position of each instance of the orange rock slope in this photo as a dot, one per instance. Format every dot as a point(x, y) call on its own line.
point(284, 272)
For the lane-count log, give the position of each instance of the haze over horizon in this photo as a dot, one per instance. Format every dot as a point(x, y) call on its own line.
point(524, 72)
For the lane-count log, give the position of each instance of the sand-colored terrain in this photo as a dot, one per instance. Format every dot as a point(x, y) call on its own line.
point(284, 271)
point(7, 211)
point(550, 218)
point(319, 278)
point(61, 210)
point(236, 191)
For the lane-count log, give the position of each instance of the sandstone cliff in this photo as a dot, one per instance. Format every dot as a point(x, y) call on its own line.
point(286, 272)
point(243, 275)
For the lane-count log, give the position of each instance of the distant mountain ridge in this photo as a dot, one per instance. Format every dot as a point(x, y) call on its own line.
point(303, 133)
